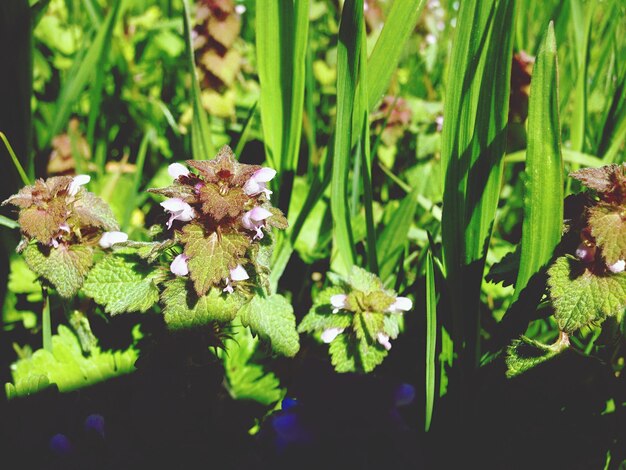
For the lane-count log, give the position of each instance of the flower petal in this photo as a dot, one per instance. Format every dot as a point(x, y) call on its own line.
point(338, 301)
point(330, 334)
point(618, 266)
point(179, 265)
point(259, 213)
point(264, 175)
point(109, 239)
point(77, 182)
point(173, 204)
point(401, 304)
point(177, 169)
point(383, 339)
point(238, 273)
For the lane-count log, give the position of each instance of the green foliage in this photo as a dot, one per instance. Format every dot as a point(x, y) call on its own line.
point(543, 201)
point(523, 354)
point(211, 257)
point(184, 310)
point(65, 267)
point(272, 319)
point(247, 379)
point(349, 354)
point(67, 367)
point(582, 297)
point(122, 284)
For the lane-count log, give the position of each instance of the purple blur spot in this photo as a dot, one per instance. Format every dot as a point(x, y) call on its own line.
point(95, 422)
point(404, 395)
point(60, 445)
point(289, 403)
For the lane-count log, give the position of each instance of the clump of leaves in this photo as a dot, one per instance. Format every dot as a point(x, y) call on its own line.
point(61, 224)
point(358, 317)
point(587, 283)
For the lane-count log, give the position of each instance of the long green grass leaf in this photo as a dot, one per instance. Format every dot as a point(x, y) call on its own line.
point(473, 144)
point(386, 54)
point(348, 57)
point(201, 144)
point(431, 339)
point(543, 202)
point(89, 65)
point(281, 40)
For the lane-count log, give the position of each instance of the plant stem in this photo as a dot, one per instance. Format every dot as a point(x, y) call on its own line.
point(47, 329)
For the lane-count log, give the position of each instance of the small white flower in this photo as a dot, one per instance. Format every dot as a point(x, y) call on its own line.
point(178, 209)
point(383, 339)
point(401, 304)
point(65, 228)
point(254, 220)
point(338, 301)
point(108, 239)
point(330, 334)
point(618, 266)
point(258, 182)
point(240, 9)
point(238, 273)
point(179, 265)
point(77, 182)
point(177, 169)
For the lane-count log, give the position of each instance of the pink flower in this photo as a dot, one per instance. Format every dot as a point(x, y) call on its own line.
point(108, 239)
point(77, 182)
point(254, 220)
point(338, 302)
point(238, 273)
point(258, 182)
point(177, 169)
point(383, 339)
point(586, 252)
point(179, 265)
point(330, 334)
point(401, 304)
point(178, 209)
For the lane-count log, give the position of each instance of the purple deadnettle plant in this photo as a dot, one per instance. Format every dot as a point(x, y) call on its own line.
point(61, 225)
point(219, 214)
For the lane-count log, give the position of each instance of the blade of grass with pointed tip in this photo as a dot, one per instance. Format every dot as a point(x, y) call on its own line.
point(348, 56)
point(386, 54)
point(201, 144)
point(90, 64)
point(281, 41)
point(473, 144)
point(543, 201)
point(431, 339)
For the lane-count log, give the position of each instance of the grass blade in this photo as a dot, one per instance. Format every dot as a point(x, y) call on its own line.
point(473, 144)
point(386, 54)
point(543, 202)
point(75, 85)
point(201, 144)
point(281, 40)
point(348, 57)
point(431, 339)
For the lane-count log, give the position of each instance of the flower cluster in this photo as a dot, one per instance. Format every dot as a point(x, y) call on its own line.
point(599, 220)
point(358, 318)
point(218, 214)
point(60, 211)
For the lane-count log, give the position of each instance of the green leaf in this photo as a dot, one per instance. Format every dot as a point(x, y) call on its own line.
point(67, 367)
point(431, 339)
point(273, 320)
point(351, 355)
point(384, 59)
point(393, 239)
point(149, 251)
point(523, 354)
point(64, 267)
point(83, 71)
point(184, 310)
point(543, 201)
point(246, 379)
point(211, 258)
point(348, 55)
point(90, 210)
point(364, 281)
point(281, 44)
point(367, 325)
point(122, 285)
point(581, 297)
point(321, 316)
point(473, 145)
point(609, 229)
